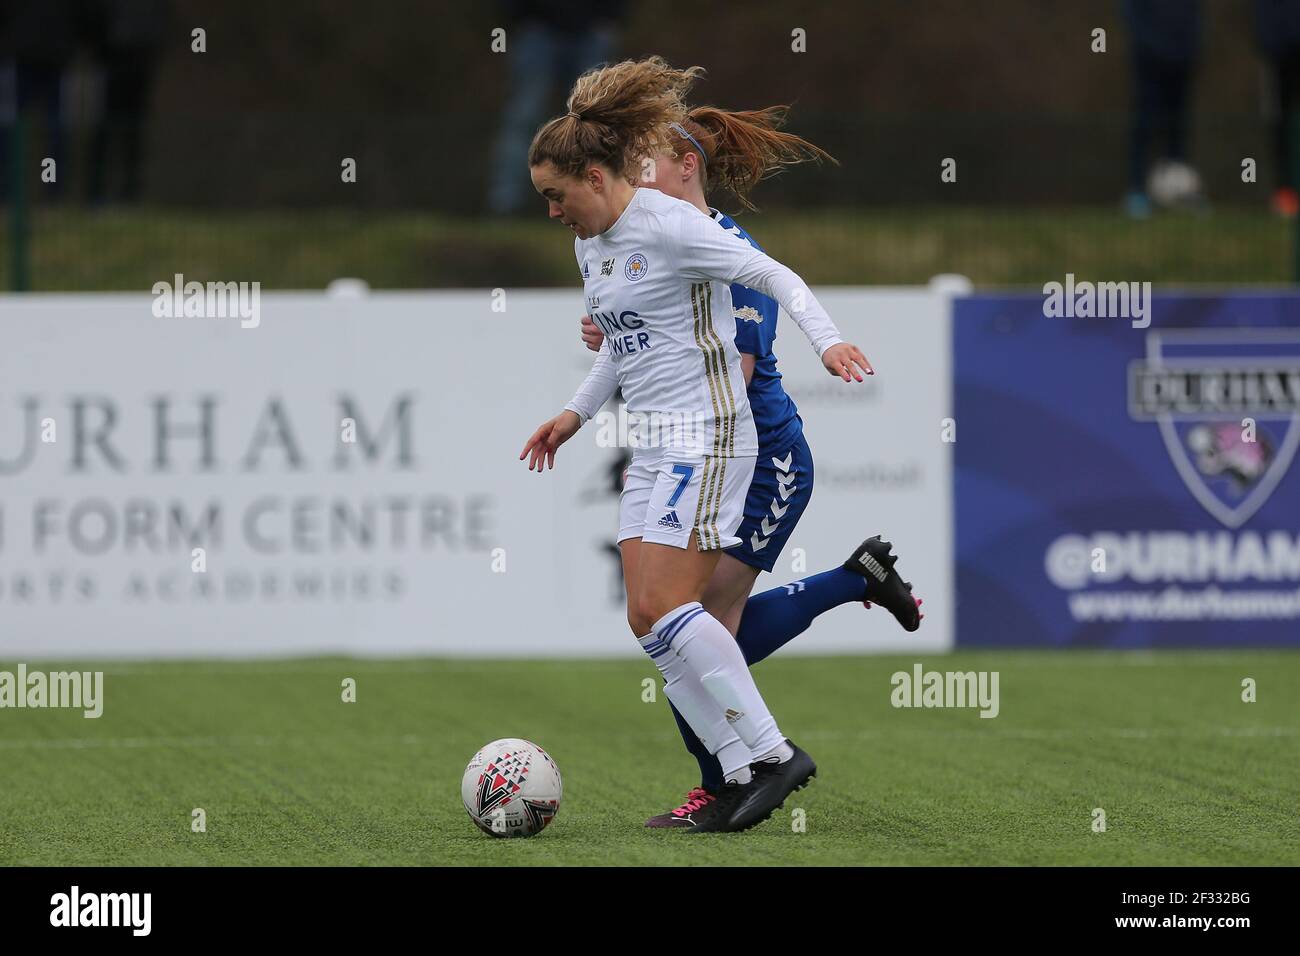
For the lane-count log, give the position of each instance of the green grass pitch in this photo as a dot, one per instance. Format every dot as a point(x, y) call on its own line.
point(287, 773)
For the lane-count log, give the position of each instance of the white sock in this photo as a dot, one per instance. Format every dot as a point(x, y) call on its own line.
point(700, 710)
point(742, 775)
point(711, 654)
point(779, 755)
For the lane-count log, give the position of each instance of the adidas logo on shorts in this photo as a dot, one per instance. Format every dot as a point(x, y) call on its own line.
point(670, 521)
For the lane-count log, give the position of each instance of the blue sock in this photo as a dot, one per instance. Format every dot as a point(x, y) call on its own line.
point(770, 621)
point(774, 618)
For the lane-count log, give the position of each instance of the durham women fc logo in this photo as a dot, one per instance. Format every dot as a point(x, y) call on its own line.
point(1227, 401)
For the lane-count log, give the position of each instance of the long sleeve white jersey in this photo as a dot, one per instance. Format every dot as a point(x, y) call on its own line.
point(658, 285)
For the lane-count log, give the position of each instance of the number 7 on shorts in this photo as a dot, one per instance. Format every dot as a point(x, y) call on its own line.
point(685, 471)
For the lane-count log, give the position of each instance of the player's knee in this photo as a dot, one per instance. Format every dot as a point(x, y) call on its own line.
point(639, 623)
point(649, 609)
point(653, 607)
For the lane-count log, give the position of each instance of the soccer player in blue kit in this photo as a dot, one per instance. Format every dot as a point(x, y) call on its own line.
point(718, 149)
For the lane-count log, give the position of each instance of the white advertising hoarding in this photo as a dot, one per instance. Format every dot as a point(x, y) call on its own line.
point(343, 477)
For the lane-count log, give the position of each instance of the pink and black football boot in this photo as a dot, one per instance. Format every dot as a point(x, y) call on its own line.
point(872, 559)
point(696, 809)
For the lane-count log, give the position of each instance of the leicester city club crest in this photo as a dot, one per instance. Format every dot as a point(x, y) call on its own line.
point(1227, 403)
point(635, 267)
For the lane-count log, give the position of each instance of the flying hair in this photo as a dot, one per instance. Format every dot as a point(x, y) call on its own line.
point(616, 114)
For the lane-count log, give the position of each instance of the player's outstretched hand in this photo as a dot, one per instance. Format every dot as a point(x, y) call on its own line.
point(540, 448)
point(844, 360)
point(592, 336)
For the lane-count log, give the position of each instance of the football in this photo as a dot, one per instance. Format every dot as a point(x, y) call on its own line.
point(511, 788)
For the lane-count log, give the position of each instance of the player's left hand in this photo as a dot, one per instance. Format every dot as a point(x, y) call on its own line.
point(592, 336)
point(844, 360)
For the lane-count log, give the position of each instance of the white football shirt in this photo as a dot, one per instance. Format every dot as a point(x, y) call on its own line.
point(658, 285)
point(668, 325)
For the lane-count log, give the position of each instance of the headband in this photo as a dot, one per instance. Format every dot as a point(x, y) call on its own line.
point(681, 131)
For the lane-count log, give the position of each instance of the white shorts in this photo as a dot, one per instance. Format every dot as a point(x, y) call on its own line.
point(668, 494)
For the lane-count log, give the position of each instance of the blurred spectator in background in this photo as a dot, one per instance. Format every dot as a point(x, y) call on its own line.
point(126, 36)
point(37, 42)
point(1277, 30)
point(1165, 38)
point(549, 43)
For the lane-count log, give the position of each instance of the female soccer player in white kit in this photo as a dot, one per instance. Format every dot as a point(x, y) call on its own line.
point(657, 275)
point(732, 151)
